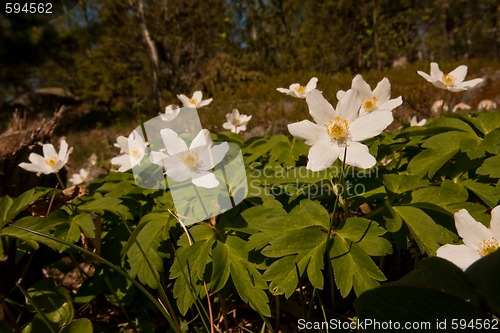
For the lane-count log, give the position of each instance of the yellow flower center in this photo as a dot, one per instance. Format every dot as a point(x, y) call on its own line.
point(301, 90)
point(190, 160)
point(193, 101)
point(52, 161)
point(369, 104)
point(237, 122)
point(135, 153)
point(448, 79)
point(489, 246)
point(337, 128)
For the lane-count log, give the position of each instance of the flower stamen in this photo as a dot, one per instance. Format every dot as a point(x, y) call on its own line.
point(337, 128)
point(51, 162)
point(193, 101)
point(448, 79)
point(190, 160)
point(369, 104)
point(488, 246)
point(301, 90)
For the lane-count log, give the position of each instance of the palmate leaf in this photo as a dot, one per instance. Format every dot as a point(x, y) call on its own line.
point(350, 255)
point(246, 278)
point(428, 235)
point(149, 239)
point(489, 194)
point(440, 149)
point(298, 241)
point(11, 207)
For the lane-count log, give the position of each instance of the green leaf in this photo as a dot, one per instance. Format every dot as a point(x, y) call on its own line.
point(485, 122)
point(9, 208)
point(441, 148)
point(399, 184)
point(149, 239)
point(424, 230)
point(246, 278)
point(366, 234)
point(221, 268)
point(453, 123)
point(393, 221)
point(312, 213)
point(489, 194)
point(283, 276)
point(353, 267)
point(53, 301)
point(490, 167)
point(436, 290)
point(110, 204)
point(445, 194)
point(82, 325)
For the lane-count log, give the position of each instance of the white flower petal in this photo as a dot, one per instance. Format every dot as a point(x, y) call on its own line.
point(213, 156)
point(122, 144)
point(173, 143)
point(357, 155)
point(391, 104)
point(436, 73)
point(472, 232)
point(362, 87)
point(322, 155)
point(348, 107)
point(495, 222)
point(425, 76)
point(202, 139)
point(283, 90)
point(124, 161)
point(197, 96)
point(34, 168)
point(311, 85)
point(459, 73)
point(206, 180)
point(340, 94)
point(227, 125)
point(63, 151)
point(36, 159)
point(383, 91)
point(319, 108)
point(370, 125)
point(179, 174)
point(460, 255)
point(205, 102)
point(308, 131)
point(184, 99)
point(470, 83)
point(49, 151)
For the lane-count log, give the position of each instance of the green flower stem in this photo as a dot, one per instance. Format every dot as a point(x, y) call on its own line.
point(38, 310)
point(114, 267)
point(60, 181)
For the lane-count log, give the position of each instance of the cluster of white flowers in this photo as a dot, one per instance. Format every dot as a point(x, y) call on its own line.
point(336, 133)
point(181, 162)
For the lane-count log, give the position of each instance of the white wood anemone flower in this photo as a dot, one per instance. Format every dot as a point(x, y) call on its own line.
point(50, 162)
point(194, 102)
point(171, 112)
point(193, 163)
point(80, 177)
point(415, 122)
point(337, 131)
point(132, 148)
point(453, 81)
point(378, 99)
point(236, 122)
point(299, 91)
point(478, 239)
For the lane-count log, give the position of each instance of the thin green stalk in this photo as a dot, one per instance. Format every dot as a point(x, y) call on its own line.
point(114, 267)
point(38, 310)
point(120, 304)
point(60, 180)
point(161, 290)
point(301, 294)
